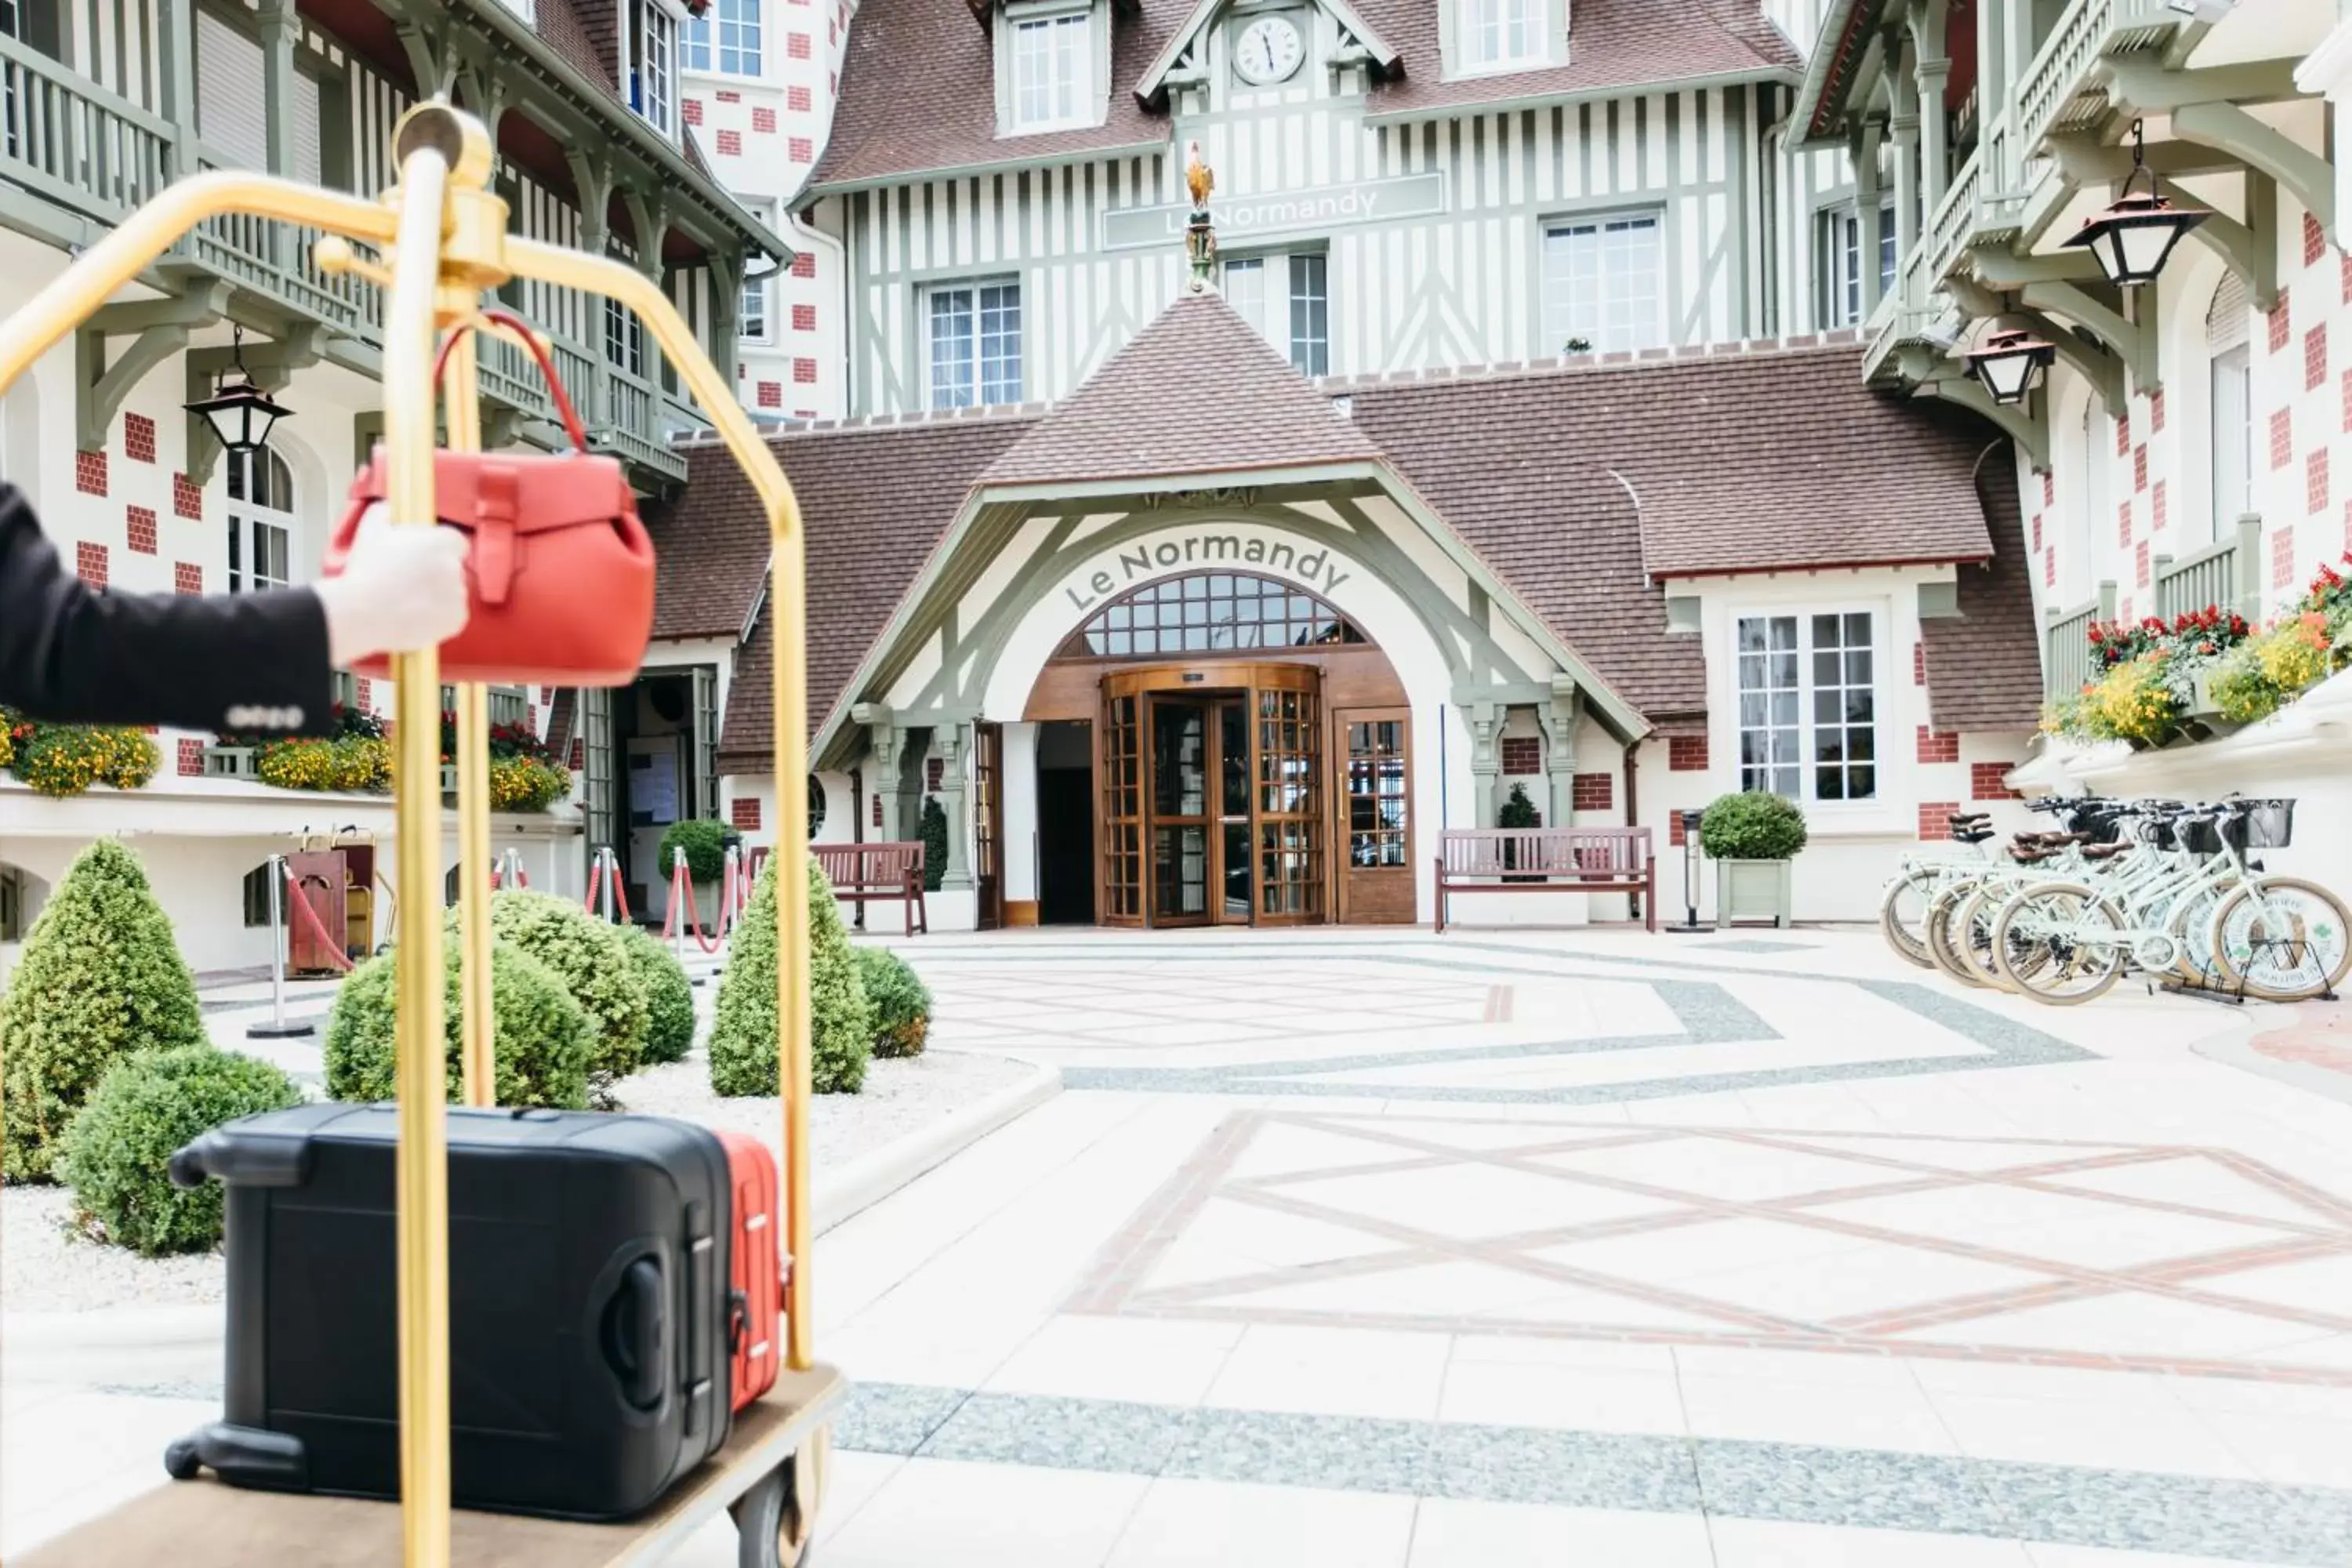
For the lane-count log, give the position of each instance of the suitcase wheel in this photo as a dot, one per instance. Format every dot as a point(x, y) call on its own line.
point(180, 1461)
point(765, 1519)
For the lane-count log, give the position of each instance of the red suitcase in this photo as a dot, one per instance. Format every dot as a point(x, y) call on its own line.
point(755, 1270)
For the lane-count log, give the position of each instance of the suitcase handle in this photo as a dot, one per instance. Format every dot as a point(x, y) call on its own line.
point(633, 1333)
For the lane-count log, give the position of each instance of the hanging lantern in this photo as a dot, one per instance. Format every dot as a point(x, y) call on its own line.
point(2134, 236)
point(238, 411)
point(2011, 363)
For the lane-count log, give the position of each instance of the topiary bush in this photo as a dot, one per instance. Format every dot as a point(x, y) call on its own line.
point(744, 1035)
point(1752, 824)
point(116, 1155)
point(934, 834)
point(705, 844)
point(592, 959)
point(101, 978)
point(669, 996)
point(900, 1001)
point(540, 1037)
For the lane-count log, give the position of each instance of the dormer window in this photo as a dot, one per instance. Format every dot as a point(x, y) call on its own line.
point(651, 37)
point(1052, 81)
point(1503, 33)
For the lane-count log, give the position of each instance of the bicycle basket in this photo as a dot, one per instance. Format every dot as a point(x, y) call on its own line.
point(2270, 823)
point(2158, 833)
point(2201, 836)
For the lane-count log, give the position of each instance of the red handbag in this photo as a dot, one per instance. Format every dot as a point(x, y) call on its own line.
point(559, 568)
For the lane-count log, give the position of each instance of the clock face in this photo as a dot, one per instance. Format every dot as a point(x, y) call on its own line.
point(1268, 51)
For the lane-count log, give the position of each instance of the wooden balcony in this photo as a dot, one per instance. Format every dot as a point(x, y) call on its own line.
point(2067, 643)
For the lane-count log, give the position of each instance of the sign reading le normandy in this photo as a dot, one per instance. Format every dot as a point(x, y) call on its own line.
point(1134, 563)
point(1326, 206)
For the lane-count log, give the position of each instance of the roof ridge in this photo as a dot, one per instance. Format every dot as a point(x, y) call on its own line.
point(1837, 340)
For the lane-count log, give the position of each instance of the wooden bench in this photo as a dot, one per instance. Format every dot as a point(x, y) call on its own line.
point(1547, 860)
point(885, 869)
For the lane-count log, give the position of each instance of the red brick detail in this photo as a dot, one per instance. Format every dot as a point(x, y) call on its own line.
point(728, 95)
point(805, 372)
point(804, 318)
point(803, 150)
point(1674, 829)
point(187, 577)
point(763, 121)
point(2049, 487)
point(691, 111)
point(2123, 524)
point(2157, 507)
point(188, 499)
point(935, 773)
point(2140, 564)
point(744, 812)
point(1918, 663)
point(772, 395)
point(877, 811)
point(2123, 432)
point(2125, 614)
point(2155, 412)
point(731, 143)
point(1592, 792)
point(804, 412)
point(546, 696)
point(2344, 264)
point(139, 437)
point(2343, 391)
point(1939, 745)
point(1984, 782)
point(1687, 754)
point(2037, 531)
point(89, 473)
point(89, 563)
point(2314, 240)
point(2139, 467)
point(191, 758)
point(2281, 557)
point(1522, 756)
point(2282, 324)
point(805, 263)
point(367, 695)
point(2050, 568)
point(2314, 357)
point(2282, 438)
point(2314, 480)
point(799, 100)
point(2347, 529)
point(797, 46)
point(139, 526)
point(579, 758)
point(1936, 818)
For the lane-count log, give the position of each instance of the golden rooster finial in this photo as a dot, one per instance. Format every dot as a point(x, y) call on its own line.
point(1199, 178)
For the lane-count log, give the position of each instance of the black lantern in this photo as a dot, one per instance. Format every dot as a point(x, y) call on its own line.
point(2011, 363)
point(2134, 238)
point(238, 411)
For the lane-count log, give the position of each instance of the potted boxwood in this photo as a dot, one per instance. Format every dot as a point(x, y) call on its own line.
point(1518, 811)
point(1751, 836)
point(703, 841)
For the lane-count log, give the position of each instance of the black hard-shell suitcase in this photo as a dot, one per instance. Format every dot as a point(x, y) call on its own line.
point(588, 1306)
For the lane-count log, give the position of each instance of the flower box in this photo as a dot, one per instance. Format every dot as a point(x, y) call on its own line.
point(448, 778)
point(1752, 890)
point(232, 763)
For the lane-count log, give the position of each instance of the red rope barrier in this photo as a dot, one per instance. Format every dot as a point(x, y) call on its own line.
point(682, 893)
point(336, 957)
point(620, 893)
point(595, 883)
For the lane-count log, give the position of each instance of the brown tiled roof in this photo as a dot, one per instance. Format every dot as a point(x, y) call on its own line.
point(919, 81)
point(875, 500)
point(1805, 466)
point(1199, 391)
point(587, 34)
point(1984, 665)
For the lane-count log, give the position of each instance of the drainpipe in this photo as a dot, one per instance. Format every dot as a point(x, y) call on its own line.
point(1632, 804)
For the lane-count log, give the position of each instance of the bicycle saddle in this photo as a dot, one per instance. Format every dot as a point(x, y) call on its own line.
point(1972, 835)
point(2102, 851)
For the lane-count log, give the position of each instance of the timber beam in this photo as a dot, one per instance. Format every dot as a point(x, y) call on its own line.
point(162, 329)
point(2307, 176)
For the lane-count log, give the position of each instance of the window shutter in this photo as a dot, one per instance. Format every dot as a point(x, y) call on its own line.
point(232, 112)
point(307, 130)
point(706, 741)
point(2225, 321)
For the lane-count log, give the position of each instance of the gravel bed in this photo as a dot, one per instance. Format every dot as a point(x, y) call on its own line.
point(46, 1267)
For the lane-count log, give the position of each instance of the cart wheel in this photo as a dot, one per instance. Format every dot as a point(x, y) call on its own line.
point(775, 1519)
point(180, 1461)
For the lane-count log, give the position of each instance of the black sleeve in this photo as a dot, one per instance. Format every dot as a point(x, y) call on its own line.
point(70, 654)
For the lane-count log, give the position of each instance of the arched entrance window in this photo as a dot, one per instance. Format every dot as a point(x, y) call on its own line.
point(260, 521)
point(1210, 612)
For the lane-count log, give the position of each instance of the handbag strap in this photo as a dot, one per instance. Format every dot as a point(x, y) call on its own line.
point(531, 339)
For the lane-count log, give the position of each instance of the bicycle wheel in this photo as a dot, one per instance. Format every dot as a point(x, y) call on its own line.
point(1903, 916)
point(1941, 934)
point(1971, 934)
point(2283, 938)
point(2059, 942)
point(2190, 924)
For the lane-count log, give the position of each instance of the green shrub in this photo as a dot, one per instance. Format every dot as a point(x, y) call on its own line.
point(744, 1035)
point(117, 1154)
point(1518, 811)
point(540, 1038)
point(669, 997)
point(934, 835)
point(592, 959)
point(1751, 826)
point(101, 978)
point(704, 843)
point(900, 1001)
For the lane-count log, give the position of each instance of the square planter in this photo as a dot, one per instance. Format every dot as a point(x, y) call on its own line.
point(448, 778)
point(232, 763)
point(1752, 890)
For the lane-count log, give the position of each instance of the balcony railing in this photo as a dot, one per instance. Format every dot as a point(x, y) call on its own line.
point(2066, 644)
point(67, 140)
point(2226, 575)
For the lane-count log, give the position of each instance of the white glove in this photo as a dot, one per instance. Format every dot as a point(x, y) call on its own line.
point(402, 589)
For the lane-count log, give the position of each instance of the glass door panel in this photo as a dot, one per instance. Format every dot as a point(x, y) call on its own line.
point(1376, 879)
point(1234, 809)
point(1291, 874)
point(1181, 779)
point(1120, 783)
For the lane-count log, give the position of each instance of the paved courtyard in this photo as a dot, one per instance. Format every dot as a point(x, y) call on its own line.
point(1581, 1247)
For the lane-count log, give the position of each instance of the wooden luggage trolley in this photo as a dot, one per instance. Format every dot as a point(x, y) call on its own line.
point(442, 235)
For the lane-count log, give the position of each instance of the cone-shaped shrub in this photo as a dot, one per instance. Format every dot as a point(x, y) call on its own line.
point(669, 996)
point(743, 1035)
point(101, 978)
point(540, 1041)
point(591, 957)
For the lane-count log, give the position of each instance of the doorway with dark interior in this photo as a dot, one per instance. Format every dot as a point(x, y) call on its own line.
point(1066, 871)
point(665, 730)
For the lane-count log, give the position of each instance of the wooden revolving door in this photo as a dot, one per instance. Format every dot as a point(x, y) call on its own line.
point(1211, 781)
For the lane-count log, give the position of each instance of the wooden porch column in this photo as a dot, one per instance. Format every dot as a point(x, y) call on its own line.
point(949, 742)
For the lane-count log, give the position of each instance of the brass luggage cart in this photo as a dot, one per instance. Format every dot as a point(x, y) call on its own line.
point(442, 243)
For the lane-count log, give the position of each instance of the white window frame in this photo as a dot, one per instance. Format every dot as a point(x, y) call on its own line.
point(1064, 60)
point(1807, 727)
point(970, 386)
point(1279, 320)
point(2231, 429)
point(1502, 34)
point(651, 43)
point(728, 39)
point(1843, 247)
point(755, 311)
point(256, 523)
point(1556, 276)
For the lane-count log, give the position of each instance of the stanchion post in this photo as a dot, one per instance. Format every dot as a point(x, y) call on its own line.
point(277, 1028)
point(1691, 849)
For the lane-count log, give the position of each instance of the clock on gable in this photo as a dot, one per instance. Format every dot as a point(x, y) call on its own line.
point(1268, 51)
